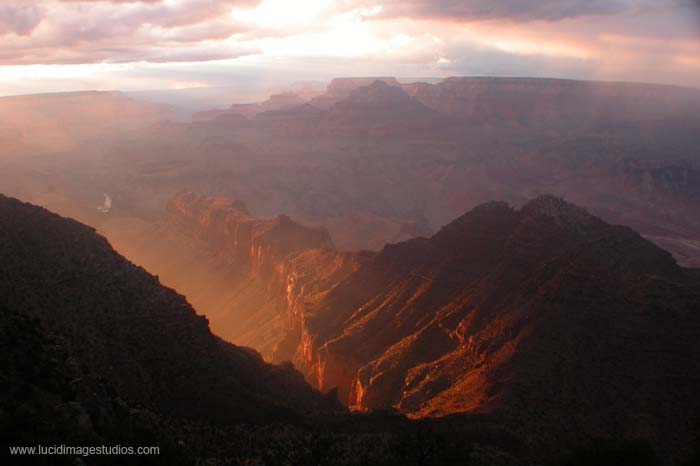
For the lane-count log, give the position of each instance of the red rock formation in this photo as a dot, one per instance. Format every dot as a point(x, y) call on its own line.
point(249, 276)
point(531, 314)
point(547, 317)
point(246, 241)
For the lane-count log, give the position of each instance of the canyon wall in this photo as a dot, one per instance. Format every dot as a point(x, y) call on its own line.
point(486, 316)
point(534, 101)
point(119, 327)
point(249, 276)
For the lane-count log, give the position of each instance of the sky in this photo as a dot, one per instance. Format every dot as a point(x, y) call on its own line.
point(64, 45)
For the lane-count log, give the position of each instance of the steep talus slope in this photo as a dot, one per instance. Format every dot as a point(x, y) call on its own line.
point(118, 320)
point(547, 316)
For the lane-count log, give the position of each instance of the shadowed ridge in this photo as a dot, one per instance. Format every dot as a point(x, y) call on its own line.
point(378, 93)
point(547, 317)
point(122, 323)
point(555, 207)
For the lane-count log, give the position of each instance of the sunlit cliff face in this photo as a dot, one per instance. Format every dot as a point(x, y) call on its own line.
point(50, 45)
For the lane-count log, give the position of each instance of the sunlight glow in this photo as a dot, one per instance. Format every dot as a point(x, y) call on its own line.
point(278, 14)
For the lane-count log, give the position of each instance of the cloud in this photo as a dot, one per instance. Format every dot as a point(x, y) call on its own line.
point(515, 10)
point(482, 61)
point(111, 1)
point(117, 31)
point(606, 39)
point(18, 17)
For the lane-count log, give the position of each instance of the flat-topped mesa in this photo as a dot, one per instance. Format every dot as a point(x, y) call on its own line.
point(227, 226)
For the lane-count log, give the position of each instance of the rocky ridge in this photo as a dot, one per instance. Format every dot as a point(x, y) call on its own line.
point(491, 312)
point(120, 321)
point(95, 352)
point(243, 272)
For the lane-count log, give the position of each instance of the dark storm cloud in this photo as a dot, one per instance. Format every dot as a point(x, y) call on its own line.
point(516, 10)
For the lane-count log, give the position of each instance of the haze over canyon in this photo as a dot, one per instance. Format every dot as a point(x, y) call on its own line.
point(368, 232)
point(471, 270)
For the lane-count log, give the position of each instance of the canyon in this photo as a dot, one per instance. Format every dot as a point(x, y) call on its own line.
point(118, 320)
point(485, 316)
point(382, 257)
point(378, 161)
point(96, 352)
